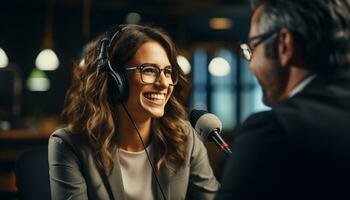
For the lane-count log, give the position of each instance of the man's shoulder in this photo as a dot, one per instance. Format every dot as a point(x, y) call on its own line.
point(261, 125)
point(260, 119)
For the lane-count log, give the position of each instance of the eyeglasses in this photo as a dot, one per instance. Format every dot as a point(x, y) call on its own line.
point(150, 73)
point(248, 48)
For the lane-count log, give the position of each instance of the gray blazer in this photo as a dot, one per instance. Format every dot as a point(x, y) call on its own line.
point(74, 175)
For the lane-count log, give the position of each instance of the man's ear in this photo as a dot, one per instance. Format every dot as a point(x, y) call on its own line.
point(286, 47)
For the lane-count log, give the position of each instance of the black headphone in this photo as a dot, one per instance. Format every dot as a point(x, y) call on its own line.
point(117, 83)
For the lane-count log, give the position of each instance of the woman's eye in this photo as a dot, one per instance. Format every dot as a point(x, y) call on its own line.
point(168, 71)
point(149, 71)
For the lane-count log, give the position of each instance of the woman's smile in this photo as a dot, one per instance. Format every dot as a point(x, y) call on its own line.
point(155, 98)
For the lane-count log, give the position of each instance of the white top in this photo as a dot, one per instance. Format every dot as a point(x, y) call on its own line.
point(302, 85)
point(136, 174)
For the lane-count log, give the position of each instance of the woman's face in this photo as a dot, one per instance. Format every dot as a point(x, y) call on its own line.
point(148, 100)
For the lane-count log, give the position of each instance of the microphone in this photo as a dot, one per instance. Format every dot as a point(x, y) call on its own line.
point(208, 126)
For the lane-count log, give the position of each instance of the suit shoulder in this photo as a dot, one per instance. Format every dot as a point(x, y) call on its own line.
point(260, 126)
point(261, 119)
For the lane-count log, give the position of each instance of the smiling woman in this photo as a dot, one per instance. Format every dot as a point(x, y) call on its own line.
point(151, 86)
point(124, 113)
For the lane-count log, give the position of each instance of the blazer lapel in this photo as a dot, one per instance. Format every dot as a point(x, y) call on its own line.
point(115, 179)
point(163, 176)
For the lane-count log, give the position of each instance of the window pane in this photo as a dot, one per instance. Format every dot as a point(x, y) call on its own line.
point(223, 93)
point(199, 100)
point(251, 96)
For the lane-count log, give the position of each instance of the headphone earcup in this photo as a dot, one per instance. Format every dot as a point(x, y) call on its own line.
point(117, 86)
point(117, 83)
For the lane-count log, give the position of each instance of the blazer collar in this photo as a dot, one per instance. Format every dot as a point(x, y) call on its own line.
point(164, 180)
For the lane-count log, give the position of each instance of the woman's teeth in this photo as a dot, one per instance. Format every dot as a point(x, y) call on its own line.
point(155, 97)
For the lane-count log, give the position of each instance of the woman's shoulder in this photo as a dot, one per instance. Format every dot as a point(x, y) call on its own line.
point(194, 142)
point(70, 143)
point(189, 132)
point(65, 135)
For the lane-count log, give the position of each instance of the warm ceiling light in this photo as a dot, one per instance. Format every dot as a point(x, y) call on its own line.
point(219, 66)
point(184, 64)
point(133, 18)
point(220, 23)
point(38, 81)
point(82, 62)
point(47, 60)
point(4, 61)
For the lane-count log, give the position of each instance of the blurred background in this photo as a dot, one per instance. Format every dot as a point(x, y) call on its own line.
point(40, 40)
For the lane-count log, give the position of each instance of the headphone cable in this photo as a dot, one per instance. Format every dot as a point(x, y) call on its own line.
point(144, 146)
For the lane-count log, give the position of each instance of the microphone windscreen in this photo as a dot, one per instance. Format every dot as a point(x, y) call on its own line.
point(195, 115)
point(204, 123)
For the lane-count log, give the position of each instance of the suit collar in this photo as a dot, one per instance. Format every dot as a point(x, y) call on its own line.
point(338, 78)
point(302, 85)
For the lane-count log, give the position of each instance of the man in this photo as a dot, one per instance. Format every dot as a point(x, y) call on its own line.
point(299, 50)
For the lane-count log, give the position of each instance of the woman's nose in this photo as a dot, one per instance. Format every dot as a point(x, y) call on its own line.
point(162, 80)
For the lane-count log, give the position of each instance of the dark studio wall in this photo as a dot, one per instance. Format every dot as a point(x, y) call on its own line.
point(23, 29)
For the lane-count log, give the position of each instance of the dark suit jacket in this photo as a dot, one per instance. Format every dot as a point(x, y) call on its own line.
point(298, 150)
point(73, 173)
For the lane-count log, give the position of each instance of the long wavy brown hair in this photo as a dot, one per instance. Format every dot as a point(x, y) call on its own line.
point(89, 109)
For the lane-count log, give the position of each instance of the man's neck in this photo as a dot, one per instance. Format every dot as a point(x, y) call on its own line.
point(302, 85)
point(298, 79)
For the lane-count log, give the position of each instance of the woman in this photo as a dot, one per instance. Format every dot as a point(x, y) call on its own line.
point(124, 113)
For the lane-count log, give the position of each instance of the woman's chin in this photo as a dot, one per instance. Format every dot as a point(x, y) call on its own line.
point(155, 110)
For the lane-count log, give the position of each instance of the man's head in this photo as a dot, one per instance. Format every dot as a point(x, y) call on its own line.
point(312, 35)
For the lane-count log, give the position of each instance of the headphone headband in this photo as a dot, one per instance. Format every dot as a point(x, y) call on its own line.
point(105, 43)
point(117, 85)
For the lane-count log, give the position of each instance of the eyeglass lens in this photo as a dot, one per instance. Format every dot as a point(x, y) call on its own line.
point(248, 48)
point(246, 51)
point(151, 74)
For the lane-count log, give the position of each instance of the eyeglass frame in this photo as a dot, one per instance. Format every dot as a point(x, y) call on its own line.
point(248, 47)
point(139, 68)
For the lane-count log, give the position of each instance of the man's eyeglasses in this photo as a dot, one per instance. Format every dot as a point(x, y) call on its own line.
point(248, 48)
point(150, 73)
